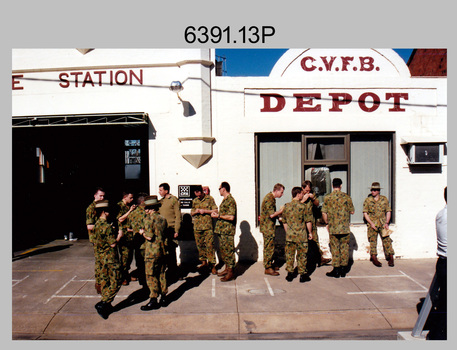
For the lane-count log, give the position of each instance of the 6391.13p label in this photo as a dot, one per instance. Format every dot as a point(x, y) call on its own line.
point(227, 35)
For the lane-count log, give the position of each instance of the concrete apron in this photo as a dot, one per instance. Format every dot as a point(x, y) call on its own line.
point(57, 300)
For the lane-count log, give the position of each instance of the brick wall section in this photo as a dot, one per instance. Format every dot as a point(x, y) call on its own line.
point(428, 63)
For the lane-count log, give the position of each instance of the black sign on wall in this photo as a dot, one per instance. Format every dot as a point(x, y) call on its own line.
point(186, 195)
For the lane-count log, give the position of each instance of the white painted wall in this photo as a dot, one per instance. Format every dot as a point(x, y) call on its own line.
point(228, 109)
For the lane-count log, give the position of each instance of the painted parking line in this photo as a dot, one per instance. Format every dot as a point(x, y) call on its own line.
point(388, 292)
point(74, 296)
point(60, 289)
point(412, 279)
point(402, 275)
point(269, 287)
point(16, 282)
point(213, 288)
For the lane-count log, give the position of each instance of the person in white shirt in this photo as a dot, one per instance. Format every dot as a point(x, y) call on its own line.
point(439, 329)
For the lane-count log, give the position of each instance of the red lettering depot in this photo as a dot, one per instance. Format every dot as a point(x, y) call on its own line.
point(362, 102)
point(396, 97)
point(100, 78)
point(306, 102)
point(16, 82)
point(309, 101)
point(280, 102)
point(339, 99)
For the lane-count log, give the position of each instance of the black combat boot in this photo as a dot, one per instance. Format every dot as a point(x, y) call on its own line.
point(163, 301)
point(334, 273)
point(343, 271)
point(290, 277)
point(304, 278)
point(104, 309)
point(152, 305)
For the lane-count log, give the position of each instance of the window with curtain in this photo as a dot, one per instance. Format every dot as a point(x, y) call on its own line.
point(279, 162)
point(357, 158)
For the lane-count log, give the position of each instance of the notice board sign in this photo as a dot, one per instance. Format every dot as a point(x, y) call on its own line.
point(186, 195)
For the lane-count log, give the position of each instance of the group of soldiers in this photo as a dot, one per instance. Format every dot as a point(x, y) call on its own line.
point(148, 231)
point(299, 218)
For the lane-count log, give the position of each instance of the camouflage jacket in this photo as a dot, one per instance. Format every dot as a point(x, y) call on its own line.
point(295, 216)
point(268, 207)
point(91, 219)
point(103, 238)
point(338, 206)
point(90, 214)
point(377, 210)
point(125, 225)
point(203, 221)
point(136, 218)
point(154, 226)
point(227, 207)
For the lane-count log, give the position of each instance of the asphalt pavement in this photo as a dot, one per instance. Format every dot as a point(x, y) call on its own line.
point(53, 297)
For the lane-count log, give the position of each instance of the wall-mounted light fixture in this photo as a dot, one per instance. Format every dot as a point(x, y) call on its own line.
point(176, 86)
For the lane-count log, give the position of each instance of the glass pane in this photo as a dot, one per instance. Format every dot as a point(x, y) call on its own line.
point(132, 143)
point(279, 161)
point(321, 177)
point(331, 148)
point(370, 162)
point(132, 171)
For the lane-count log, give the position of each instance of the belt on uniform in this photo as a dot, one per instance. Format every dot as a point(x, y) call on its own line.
point(442, 257)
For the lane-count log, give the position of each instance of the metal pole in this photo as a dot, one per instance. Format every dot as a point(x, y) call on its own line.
point(425, 310)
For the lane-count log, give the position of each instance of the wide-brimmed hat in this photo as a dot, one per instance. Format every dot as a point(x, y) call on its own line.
point(151, 201)
point(375, 186)
point(102, 204)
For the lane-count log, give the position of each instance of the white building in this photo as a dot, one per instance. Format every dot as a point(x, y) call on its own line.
point(356, 114)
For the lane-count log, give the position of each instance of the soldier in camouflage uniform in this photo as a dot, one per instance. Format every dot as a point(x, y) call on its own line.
point(377, 213)
point(336, 212)
point(136, 218)
point(91, 218)
point(202, 207)
point(225, 229)
point(126, 244)
point(297, 220)
point(170, 209)
point(268, 215)
point(154, 254)
point(105, 242)
point(311, 200)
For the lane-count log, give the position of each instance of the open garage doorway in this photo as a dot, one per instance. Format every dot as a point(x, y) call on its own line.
point(57, 168)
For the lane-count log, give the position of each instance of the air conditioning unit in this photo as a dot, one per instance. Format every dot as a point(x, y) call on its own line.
point(426, 153)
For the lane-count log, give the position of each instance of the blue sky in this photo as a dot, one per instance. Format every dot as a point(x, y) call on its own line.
point(259, 62)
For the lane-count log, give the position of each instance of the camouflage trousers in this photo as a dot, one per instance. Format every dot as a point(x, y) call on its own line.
point(339, 247)
point(227, 249)
point(98, 267)
point(205, 245)
point(301, 249)
point(125, 256)
point(155, 277)
point(109, 280)
point(373, 239)
point(268, 248)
